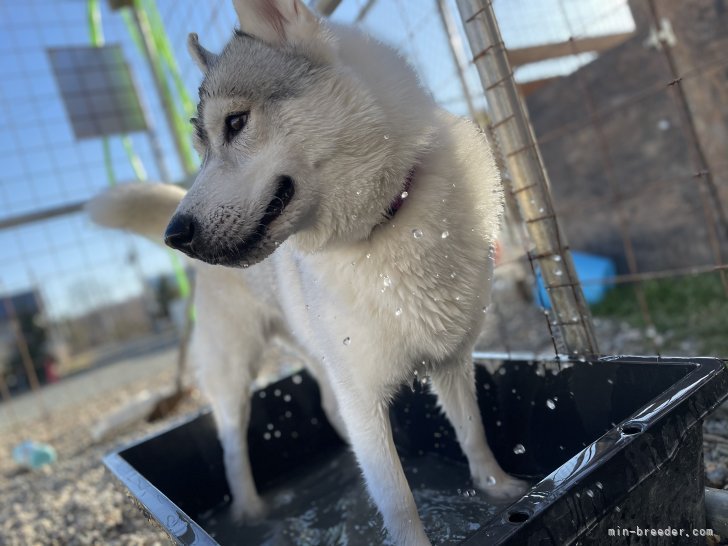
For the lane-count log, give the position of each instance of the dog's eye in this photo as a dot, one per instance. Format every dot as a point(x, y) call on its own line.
point(235, 123)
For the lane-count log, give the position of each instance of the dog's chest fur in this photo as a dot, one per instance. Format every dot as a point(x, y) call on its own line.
point(420, 282)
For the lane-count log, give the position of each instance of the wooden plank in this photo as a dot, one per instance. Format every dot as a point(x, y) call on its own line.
point(526, 88)
point(534, 54)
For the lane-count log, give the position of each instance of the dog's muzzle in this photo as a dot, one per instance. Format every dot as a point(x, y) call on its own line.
point(185, 234)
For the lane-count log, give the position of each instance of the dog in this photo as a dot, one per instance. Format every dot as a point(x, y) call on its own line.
point(229, 343)
point(339, 207)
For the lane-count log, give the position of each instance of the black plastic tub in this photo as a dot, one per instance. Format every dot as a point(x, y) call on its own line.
point(612, 447)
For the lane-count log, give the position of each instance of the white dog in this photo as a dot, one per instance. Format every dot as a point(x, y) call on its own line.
point(367, 214)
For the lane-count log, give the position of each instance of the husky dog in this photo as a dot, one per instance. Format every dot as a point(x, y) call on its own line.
point(368, 215)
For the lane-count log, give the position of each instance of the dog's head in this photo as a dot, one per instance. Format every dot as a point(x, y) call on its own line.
point(294, 143)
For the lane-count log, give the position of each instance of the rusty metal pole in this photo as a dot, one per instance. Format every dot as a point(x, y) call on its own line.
point(529, 181)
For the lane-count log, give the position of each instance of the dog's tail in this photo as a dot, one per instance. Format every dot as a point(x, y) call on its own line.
point(144, 209)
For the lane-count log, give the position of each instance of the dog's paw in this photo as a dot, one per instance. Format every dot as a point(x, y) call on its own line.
point(250, 509)
point(501, 487)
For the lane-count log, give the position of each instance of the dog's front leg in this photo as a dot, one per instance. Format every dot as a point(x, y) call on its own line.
point(232, 429)
point(455, 388)
point(224, 374)
point(365, 413)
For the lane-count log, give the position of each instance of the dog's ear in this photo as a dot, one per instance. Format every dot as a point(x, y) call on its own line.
point(282, 22)
point(203, 58)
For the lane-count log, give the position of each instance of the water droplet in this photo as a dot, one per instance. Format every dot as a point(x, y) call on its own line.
point(490, 480)
point(599, 485)
point(557, 258)
point(286, 397)
point(452, 275)
point(445, 234)
point(405, 195)
point(358, 192)
point(266, 436)
point(297, 379)
point(398, 312)
point(277, 392)
point(590, 493)
point(457, 298)
point(386, 137)
point(610, 381)
point(550, 404)
point(518, 449)
point(277, 433)
point(270, 426)
point(498, 423)
point(541, 210)
point(617, 509)
point(417, 233)
point(558, 272)
point(369, 255)
point(347, 340)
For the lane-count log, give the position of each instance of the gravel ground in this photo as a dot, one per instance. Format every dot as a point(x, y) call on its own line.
point(76, 502)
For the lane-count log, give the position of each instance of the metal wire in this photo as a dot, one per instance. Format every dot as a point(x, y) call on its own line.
point(510, 123)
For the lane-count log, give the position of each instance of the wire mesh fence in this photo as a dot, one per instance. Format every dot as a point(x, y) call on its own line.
point(627, 103)
point(637, 173)
point(626, 98)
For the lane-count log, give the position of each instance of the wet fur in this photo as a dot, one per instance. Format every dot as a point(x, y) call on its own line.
point(346, 118)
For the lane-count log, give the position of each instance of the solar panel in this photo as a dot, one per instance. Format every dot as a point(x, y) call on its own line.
point(98, 90)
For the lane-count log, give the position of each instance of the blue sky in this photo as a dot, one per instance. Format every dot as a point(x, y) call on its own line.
point(78, 265)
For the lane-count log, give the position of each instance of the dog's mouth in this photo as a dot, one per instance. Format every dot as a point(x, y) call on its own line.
point(252, 249)
point(281, 198)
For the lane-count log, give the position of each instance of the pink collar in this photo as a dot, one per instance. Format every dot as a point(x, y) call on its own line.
point(398, 201)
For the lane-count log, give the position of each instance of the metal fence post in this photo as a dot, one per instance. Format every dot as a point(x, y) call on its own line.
point(529, 181)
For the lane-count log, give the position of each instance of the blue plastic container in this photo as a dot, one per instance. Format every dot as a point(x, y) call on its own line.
point(592, 270)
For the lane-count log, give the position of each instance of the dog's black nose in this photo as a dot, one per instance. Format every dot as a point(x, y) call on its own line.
point(180, 231)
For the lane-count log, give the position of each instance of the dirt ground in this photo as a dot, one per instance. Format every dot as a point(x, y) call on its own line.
point(76, 501)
